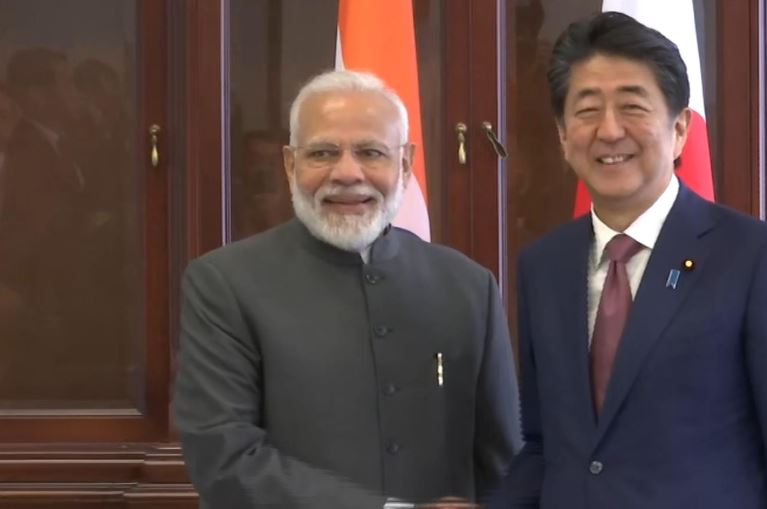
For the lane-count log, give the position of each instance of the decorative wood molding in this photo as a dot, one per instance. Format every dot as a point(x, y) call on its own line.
point(102, 496)
point(92, 463)
point(106, 476)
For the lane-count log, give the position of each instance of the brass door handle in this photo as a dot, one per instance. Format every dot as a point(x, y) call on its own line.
point(154, 153)
point(460, 129)
point(497, 145)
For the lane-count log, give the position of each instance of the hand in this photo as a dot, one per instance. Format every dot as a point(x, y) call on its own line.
point(449, 503)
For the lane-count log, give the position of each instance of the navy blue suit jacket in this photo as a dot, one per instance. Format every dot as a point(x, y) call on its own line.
point(685, 417)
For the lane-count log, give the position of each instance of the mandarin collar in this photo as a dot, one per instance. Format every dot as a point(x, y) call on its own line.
point(384, 248)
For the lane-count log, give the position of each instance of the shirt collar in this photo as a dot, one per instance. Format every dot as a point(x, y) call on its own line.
point(365, 254)
point(645, 229)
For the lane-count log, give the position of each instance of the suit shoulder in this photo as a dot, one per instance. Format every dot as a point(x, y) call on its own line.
point(740, 235)
point(735, 219)
point(560, 238)
point(259, 249)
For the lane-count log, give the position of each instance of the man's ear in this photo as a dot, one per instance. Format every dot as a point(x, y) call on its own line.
point(681, 129)
point(562, 133)
point(289, 161)
point(408, 156)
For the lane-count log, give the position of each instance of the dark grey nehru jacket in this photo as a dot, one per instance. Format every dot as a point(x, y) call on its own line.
point(309, 379)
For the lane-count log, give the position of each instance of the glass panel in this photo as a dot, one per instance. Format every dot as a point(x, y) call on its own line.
point(268, 64)
point(541, 185)
point(705, 24)
point(71, 242)
point(429, 22)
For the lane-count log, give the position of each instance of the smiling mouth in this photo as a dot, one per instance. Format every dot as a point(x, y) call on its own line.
point(617, 159)
point(348, 200)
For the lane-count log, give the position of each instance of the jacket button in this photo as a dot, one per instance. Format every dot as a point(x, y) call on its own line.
point(392, 447)
point(371, 278)
point(390, 389)
point(381, 330)
point(596, 467)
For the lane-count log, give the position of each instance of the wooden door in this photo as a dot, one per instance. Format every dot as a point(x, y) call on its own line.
point(84, 284)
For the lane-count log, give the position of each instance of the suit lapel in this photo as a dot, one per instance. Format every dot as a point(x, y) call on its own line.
point(655, 304)
point(573, 308)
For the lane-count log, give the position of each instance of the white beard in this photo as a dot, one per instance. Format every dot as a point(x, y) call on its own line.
point(349, 232)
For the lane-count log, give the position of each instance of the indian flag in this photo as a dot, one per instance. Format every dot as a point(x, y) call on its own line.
point(378, 36)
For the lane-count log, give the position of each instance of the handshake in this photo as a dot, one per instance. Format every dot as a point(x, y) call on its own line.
point(442, 503)
point(449, 503)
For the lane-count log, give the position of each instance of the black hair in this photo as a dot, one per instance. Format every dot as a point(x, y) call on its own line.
point(619, 35)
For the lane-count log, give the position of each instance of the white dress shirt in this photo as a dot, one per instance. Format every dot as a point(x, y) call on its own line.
point(645, 230)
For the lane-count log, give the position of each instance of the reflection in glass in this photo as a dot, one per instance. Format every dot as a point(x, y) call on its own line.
point(70, 244)
point(542, 186)
point(269, 63)
point(708, 41)
point(259, 190)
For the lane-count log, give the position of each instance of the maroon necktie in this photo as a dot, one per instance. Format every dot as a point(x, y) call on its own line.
point(614, 306)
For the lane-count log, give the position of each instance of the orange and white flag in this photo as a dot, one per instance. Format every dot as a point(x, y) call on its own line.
point(377, 36)
point(676, 20)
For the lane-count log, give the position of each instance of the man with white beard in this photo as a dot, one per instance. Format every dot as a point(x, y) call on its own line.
point(335, 361)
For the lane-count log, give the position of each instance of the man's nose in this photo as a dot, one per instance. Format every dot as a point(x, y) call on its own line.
point(347, 170)
point(610, 126)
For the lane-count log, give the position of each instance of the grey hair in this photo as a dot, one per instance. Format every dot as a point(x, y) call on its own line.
point(341, 81)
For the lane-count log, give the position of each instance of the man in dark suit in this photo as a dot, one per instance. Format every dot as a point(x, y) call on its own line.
point(335, 361)
point(642, 325)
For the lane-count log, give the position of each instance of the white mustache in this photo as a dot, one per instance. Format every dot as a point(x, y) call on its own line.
point(355, 189)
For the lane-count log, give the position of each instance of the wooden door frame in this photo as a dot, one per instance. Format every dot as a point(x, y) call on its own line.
point(118, 461)
point(740, 111)
point(149, 424)
point(473, 221)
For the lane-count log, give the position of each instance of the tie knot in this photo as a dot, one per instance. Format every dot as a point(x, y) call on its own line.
point(621, 248)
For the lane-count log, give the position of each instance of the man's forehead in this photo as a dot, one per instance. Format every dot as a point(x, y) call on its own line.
point(361, 141)
point(603, 74)
point(584, 92)
point(367, 102)
point(369, 113)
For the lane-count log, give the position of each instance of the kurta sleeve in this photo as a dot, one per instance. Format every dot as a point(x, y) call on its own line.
point(217, 410)
point(497, 420)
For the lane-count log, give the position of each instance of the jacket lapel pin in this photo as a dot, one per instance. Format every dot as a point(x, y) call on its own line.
point(673, 279)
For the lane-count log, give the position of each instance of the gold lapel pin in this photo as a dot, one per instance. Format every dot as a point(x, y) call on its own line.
point(688, 264)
